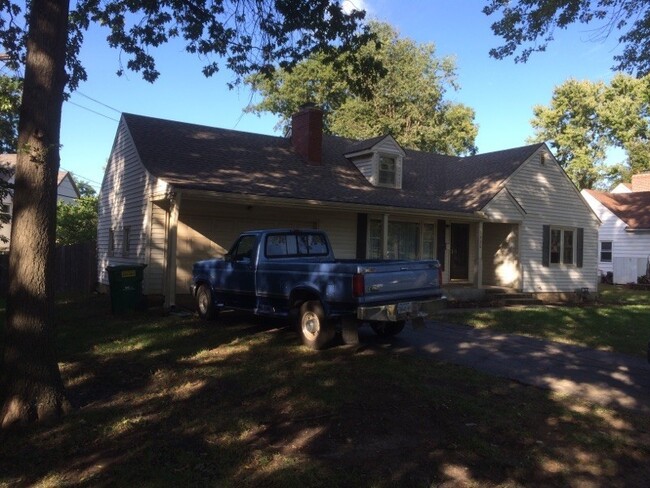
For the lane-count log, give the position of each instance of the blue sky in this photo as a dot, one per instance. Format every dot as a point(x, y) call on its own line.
point(501, 92)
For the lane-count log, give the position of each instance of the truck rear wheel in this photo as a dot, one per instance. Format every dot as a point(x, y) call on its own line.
point(387, 329)
point(315, 331)
point(204, 303)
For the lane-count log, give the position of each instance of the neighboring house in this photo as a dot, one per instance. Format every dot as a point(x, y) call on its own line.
point(66, 192)
point(175, 192)
point(624, 236)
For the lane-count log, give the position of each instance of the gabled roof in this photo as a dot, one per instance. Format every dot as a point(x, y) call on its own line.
point(632, 208)
point(197, 157)
point(9, 161)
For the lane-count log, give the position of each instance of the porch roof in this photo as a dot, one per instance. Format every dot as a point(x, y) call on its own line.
point(196, 157)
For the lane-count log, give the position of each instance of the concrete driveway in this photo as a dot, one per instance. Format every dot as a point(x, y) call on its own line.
point(610, 379)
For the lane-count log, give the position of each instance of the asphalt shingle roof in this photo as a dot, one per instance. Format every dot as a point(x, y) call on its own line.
point(632, 208)
point(197, 157)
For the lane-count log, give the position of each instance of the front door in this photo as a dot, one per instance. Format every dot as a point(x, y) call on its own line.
point(459, 259)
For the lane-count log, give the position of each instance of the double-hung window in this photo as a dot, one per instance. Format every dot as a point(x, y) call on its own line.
point(562, 246)
point(387, 171)
point(605, 251)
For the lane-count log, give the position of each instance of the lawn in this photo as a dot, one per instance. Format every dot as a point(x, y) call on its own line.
point(164, 400)
point(619, 321)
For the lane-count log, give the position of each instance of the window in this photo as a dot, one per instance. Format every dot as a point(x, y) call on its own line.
point(387, 171)
point(562, 246)
point(126, 241)
point(403, 240)
point(606, 251)
point(111, 242)
point(5, 212)
point(243, 248)
point(298, 244)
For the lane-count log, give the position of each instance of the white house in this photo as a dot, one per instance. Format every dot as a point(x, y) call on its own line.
point(66, 192)
point(175, 192)
point(624, 236)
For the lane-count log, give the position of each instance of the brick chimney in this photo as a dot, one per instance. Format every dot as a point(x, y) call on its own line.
point(641, 182)
point(307, 133)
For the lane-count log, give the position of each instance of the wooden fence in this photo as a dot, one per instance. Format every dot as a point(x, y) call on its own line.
point(75, 269)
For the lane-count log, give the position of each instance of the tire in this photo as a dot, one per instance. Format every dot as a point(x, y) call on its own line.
point(314, 329)
point(388, 329)
point(205, 304)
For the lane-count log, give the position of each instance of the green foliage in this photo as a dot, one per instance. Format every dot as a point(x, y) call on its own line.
point(10, 95)
point(585, 119)
point(408, 102)
point(531, 23)
point(76, 222)
point(245, 36)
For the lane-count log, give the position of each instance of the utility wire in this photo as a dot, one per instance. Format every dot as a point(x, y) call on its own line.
point(93, 111)
point(97, 101)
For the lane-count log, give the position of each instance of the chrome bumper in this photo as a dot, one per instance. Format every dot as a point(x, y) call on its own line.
point(393, 312)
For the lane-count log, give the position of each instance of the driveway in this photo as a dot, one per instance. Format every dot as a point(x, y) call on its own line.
point(611, 379)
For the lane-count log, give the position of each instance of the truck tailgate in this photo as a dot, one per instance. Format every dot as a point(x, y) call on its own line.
point(400, 279)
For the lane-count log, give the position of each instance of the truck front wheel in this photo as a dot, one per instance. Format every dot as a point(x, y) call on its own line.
point(204, 303)
point(388, 329)
point(315, 331)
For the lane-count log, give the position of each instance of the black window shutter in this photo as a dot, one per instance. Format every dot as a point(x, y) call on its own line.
point(362, 235)
point(546, 245)
point(440, 244)
point(580, 247)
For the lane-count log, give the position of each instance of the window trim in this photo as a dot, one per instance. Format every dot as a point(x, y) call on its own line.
point(393, 160)
point(574, 246)
point(376, 220)
point(610, 251)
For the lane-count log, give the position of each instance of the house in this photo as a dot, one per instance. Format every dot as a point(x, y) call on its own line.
point(67, 192)
point(174, 193)
point(624, 236)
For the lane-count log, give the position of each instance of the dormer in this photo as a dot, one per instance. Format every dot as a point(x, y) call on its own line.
point(379, 160)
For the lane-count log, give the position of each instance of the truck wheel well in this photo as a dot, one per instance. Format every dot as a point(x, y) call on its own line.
point(298, 297)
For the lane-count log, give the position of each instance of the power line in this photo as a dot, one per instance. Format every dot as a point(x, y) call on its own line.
point(93, 111)
point(100, 103)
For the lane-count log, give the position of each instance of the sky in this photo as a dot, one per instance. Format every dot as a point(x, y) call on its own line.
point(501, 92)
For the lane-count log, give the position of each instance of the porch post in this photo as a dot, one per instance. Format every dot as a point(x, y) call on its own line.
point(172, 245)
point(479, 256)
point(384, 237)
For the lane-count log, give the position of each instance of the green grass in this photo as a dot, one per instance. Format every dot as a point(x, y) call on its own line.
point(619, 321)
point(173, 401)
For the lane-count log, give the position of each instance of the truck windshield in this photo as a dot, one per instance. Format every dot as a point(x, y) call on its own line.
point(298, 244)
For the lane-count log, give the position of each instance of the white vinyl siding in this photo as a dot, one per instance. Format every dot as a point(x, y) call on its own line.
point(123, 204)
point(630, 250)
point(549, 198)
point(502, 208)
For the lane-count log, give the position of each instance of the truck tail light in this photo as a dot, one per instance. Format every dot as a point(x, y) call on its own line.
point(358, 285)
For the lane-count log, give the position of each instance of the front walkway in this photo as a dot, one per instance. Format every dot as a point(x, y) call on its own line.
point(610, 379)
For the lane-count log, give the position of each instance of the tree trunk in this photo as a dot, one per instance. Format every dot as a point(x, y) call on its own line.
point(32, 389)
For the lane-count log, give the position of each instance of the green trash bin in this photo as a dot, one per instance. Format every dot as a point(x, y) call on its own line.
point(125, 282)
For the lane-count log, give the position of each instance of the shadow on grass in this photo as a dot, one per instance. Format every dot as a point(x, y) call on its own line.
point(166, 400)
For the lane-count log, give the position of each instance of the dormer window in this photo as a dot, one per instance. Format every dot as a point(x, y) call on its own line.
point(387, 171)
point(380, 160)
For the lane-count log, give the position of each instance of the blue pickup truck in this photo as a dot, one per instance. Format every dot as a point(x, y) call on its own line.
point(293, 273)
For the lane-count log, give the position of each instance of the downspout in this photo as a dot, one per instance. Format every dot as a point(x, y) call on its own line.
point(172, 246)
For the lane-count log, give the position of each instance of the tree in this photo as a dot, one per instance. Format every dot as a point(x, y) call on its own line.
point(407, 102)
point(248, 36)
point(532, 23)
point(77, 221)
point(10, 93)
point(585, 119)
